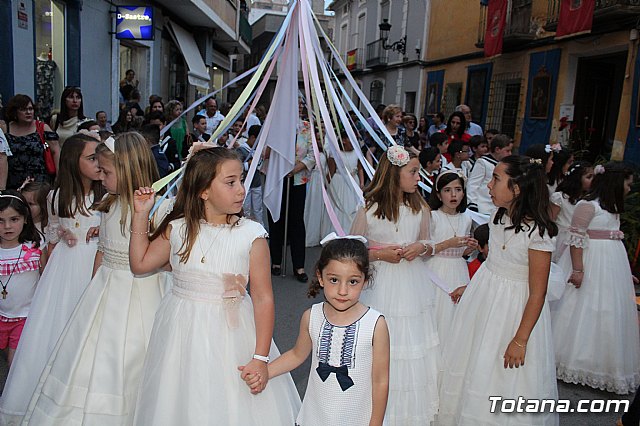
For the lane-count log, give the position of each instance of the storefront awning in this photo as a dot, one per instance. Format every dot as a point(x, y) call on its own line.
point(197, 74)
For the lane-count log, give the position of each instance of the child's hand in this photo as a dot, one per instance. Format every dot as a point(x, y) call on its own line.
point(143, 200)
point(412, 251)
point(514, 355)
point(255, 369)
point(67, 236)
point(456, 242)
point(94, 231)
point(457, 294)
point(576, 279)
point(391, 254)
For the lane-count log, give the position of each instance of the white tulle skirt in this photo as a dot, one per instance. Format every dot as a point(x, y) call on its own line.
point(485, 321)
point(63, 281)
point(191, 376)
point(595, 327)
point(406, 299)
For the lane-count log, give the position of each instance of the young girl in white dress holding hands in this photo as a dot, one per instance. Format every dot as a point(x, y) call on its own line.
point(72, 222)
point(94, 371)
point(448, 202)
point(349, 343)
point(503, 321)
point(395, 221)
point(595, 324)
point(208, 326)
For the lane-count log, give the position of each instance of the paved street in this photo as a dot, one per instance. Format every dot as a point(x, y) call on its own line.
point(291, 301)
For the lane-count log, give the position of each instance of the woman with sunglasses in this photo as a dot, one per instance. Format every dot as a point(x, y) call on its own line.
point(25, 151)
point(71, 114)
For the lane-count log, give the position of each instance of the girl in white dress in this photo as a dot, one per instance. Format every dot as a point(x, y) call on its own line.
point(595, 325)
point(346, 201)
point(573, 187)
point(36, 194)
point(316, 219)
point(93, 373)
point(345, 338)
point(503, 320)
point(71, 224)
point(448, 202)
point(208, 326)
point(395, 220)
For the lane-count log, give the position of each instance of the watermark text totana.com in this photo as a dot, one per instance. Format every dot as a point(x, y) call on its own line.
point(522, 405)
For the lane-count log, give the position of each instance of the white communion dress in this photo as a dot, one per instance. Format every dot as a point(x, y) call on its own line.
point(343, 194)
point(486, 320)
point(316, 220)
point(93, 373)
point(204, 330)
point(403, 294)
point(449, 265)
point(61, 285)
point(595, 327)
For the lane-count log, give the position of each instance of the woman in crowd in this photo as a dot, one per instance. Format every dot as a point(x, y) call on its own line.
point(124, 121)
point(25, 151)
point(180, 129)
point(413, 138)
point(71, 113)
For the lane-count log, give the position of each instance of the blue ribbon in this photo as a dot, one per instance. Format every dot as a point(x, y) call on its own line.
point(342, 374)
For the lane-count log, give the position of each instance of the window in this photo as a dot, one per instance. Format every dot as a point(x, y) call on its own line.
point(504, 100)
point(50, 51)
point(452, 98)
point(375, 93)
point(409, 102)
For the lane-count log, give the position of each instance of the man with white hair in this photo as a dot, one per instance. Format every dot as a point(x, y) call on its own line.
point(472, 128)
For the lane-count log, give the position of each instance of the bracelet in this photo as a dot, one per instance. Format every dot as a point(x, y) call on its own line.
point(261, 358)
point(426, 248)
point(577, 271)
point(518, 344)
point(138, 233)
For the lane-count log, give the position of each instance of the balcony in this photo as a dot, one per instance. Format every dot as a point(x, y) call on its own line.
point(376, 55)
point(518, 27)
point(609, 15)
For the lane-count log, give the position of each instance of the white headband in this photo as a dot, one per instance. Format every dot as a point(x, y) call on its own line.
point(449, 171)
point(11, 196)
point(333, 236)
point(111, 144)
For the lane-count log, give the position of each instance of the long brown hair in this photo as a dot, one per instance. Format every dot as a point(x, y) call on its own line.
point(383, 192)
point(64, 109)
point(201, 169)
point(68, 185)
point(135, 168)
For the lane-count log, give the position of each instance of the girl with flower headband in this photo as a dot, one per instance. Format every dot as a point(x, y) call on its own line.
point(448, 202)
point(576, 183)
point(20, 257)
point(348, 341)
point(595, 324)
point(73, 242)
point(395, 220)
point(503, 320)
point(94, 371)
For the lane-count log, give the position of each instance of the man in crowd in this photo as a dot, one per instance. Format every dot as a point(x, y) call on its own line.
point(101, 119)
point(213, 116)
point(472, 128)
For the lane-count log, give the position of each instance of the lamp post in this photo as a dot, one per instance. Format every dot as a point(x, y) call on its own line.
point(399, 46)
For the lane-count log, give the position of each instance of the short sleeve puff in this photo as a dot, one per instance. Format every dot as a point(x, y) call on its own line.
point(544, 243)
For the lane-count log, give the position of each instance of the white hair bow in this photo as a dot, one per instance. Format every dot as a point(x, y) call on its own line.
point(333, 236)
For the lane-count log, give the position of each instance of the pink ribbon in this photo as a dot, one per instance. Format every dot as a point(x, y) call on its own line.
point(234, 291)
point(30, 251)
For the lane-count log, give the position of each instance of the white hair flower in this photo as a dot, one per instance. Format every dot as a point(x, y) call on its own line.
point(398, 156)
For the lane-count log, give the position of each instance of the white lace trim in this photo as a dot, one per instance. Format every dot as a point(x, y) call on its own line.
point(619, 385)
point(577, 239)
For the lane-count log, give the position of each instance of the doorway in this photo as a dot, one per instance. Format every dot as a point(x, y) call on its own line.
point(597, 96)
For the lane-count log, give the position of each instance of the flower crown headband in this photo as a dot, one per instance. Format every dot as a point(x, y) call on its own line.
point(448, 172)
point(398, 156)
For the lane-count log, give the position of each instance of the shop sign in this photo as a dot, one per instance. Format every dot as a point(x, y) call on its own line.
point(23, 17)
point(134, 23)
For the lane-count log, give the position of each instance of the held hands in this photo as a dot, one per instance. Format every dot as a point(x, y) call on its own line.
point(515, 353)
point(255, 374)
point(94, 231)
point(456, 242)
point(472, 245)
point(412, 251)
point(143, 200)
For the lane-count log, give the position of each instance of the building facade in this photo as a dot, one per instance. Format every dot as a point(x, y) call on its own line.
point(581, 90)
point(386, 76)
point(52, 44)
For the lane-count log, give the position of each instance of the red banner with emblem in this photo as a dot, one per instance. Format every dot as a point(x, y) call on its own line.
point(496, 21)
point(576, 17)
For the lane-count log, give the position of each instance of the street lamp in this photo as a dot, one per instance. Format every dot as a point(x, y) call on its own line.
point(399, 46)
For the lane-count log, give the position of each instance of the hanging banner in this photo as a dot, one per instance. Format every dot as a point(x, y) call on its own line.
point(496, 21)
point(576, 17)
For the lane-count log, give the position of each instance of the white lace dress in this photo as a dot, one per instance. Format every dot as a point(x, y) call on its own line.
point(403, 294)
point(448, 265)
point(203, 331)
point(93, 373)
point(63, 281)
point(486, 320)
point(595, 327)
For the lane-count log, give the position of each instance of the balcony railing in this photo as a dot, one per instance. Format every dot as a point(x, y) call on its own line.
point(376, 54)
point(245, 29)
point(614, 9)
point(518, 26)
point(482, 25)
